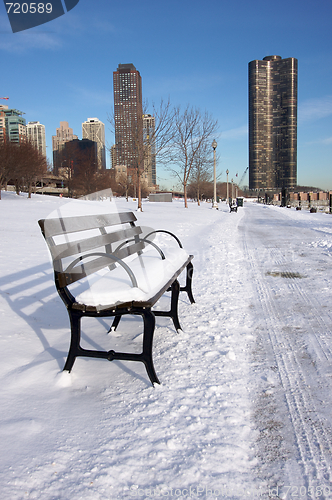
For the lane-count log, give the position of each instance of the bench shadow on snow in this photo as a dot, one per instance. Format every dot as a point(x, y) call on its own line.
point(32, 296)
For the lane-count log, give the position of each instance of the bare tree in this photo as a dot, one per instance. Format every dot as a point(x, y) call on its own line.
point(204, 190)
point(32, 165)
point(21, 163)
point(6, 162)
point(147, 142)
point(201, 174)
point(192, 135)
point(121, 185)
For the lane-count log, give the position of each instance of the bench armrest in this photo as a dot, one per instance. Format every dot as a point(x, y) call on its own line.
point(167, 232)
point(161, 253)
point(107, 255)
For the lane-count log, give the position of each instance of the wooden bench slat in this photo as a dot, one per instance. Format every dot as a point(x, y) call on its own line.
point(55, 227)
point(64, 250)
point(130, 250)
point(83, 270)
point(92, 266)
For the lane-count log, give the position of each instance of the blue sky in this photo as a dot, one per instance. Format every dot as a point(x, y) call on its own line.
point(190, 51)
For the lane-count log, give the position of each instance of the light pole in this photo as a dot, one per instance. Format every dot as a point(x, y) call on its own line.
point(215, 204)
point(227, 193)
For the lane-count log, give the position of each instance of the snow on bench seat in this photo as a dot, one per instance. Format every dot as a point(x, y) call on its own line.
point(151, 272)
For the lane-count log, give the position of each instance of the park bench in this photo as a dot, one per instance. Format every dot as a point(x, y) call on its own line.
point(122, 271)
point(232, 207)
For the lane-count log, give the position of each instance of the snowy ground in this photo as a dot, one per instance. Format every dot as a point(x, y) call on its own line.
point(244, 408)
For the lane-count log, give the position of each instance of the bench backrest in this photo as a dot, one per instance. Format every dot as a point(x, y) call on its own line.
point(71, 238)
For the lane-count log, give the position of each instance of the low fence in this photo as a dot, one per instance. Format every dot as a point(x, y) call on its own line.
point(319, 201)
point(319, 205)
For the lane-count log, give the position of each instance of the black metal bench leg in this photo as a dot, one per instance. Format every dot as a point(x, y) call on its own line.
point(115, 323)
point(173, 312)
point(75, 323)
point(189, 279)
point(174, 305)
point(149, 326)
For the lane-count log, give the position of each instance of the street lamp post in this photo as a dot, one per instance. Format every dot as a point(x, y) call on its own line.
point(227, 193)
point(215, 204)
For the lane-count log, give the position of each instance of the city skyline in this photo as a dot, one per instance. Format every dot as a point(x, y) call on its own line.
point(67, 69)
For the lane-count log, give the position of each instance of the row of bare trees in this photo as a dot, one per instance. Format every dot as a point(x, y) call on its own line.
point(181, 141)
point(204, 190)
point(21, 164)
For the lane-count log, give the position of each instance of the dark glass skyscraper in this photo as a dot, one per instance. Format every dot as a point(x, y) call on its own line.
point(273, 123)
point(128, 115)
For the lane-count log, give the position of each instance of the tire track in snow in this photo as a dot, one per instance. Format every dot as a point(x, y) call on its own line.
point(323, 349)
point(311, 437)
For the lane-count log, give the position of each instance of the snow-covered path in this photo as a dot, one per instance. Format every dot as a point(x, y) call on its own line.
point(244, 405)
point(291, 282)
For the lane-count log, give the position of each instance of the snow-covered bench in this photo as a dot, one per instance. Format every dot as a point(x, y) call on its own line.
point(122, 271)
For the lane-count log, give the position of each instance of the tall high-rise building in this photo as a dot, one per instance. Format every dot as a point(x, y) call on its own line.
point(273, 123)
point(149, 141)
point(12, 125)
point(94, 130)
point(63, 134)
point(36, 135)
point(128, 113)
